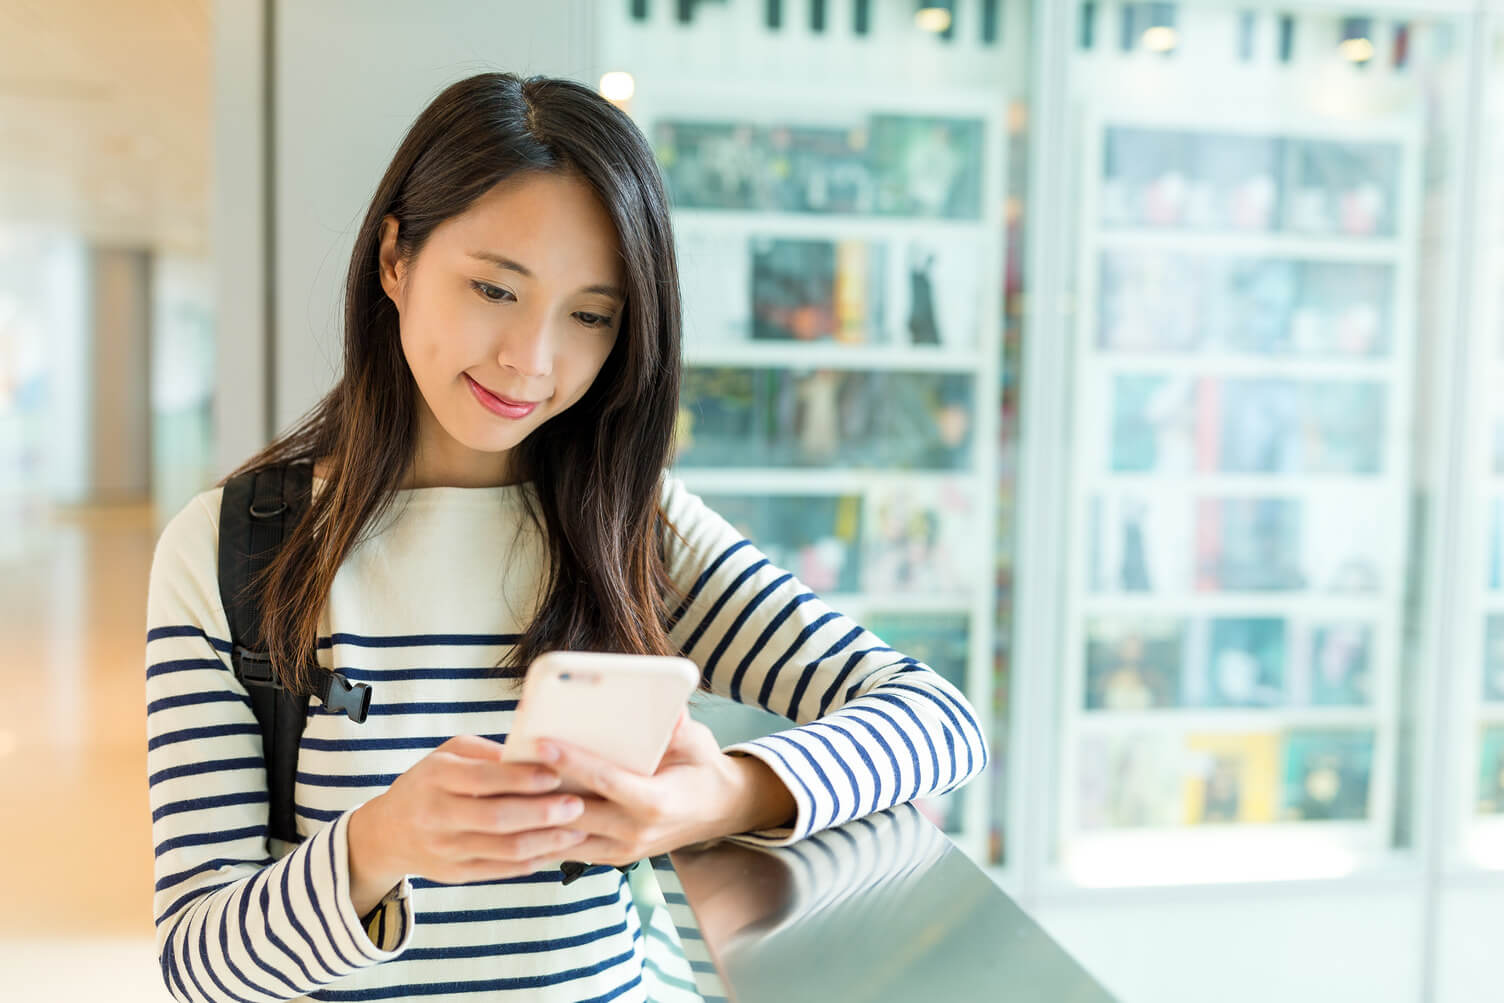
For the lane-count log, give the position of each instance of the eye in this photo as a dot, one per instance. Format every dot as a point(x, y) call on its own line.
point(593, 319)
point(493, 294)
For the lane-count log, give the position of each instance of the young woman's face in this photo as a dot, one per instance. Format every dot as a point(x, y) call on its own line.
point(507, 313)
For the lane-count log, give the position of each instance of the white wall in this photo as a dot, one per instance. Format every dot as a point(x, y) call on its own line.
point(236, 234)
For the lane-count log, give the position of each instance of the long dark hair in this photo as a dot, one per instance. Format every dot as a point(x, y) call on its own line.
point(595, 469)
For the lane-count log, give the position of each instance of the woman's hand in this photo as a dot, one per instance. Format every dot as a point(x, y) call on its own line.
point(698, 794)
point(461, 815)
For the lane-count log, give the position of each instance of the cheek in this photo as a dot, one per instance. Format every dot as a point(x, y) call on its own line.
point(431, 341)
point(587, 364)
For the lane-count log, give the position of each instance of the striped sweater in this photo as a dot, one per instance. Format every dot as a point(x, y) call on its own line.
point(421, 610)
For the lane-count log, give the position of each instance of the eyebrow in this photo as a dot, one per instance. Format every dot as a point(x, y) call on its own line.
point(500, 261)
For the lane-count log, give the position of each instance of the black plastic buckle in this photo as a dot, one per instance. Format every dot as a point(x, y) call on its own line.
point(254, 668)
point(345, 697)
point(572, 869)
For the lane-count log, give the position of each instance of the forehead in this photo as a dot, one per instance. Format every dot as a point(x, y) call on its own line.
point(554, 224)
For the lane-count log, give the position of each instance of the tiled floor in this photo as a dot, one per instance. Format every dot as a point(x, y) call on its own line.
point(75, 894)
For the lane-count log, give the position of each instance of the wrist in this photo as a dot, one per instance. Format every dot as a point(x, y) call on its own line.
point(762, 801)
point(372, 871)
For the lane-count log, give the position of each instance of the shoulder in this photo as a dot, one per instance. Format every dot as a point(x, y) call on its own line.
point(694, 532)
point(184, 586)
point(194, 528)
point(682, 508)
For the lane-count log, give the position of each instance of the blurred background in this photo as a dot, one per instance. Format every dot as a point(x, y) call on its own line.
point(1133, 364)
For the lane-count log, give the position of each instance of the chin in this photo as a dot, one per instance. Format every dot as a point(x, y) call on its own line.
point(498, 440)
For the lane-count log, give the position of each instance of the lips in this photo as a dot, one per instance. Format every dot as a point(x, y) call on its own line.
point(499, 405)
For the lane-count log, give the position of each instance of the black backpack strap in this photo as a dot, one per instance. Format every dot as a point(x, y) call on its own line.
point(257, 512)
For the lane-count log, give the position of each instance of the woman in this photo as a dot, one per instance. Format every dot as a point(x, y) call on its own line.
point(489, 485)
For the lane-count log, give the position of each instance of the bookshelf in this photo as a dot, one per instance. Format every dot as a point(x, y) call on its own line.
point(1241, 497)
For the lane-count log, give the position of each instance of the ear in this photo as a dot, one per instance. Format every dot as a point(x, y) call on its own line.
point(393, 266)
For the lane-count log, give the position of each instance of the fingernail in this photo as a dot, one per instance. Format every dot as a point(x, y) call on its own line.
point(573, 834)
point(573, 807)
point(548, 753)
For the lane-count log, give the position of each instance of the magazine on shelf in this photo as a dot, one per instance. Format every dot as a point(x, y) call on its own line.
point(1338, 310)
point(921, 538)
point(1130, 781)
point(1344, 188)
point(1493, 658)
point(1169, 544)
point(1310, 544)
point(1300, 427)
point(1135, 663)
point(1139, 544)
point(1214, 181)
point(1326, 774)
point(1241, 663)
point(809, 290)
point(1160, 301)
point(737, 417)
point(1153, 301)
point(927, 166)
point(1231, 778)
point(1493, 553)
point(818, 169)
point(894, 165)
point(1491, 772)
point(935, 287)
point(1171, 424)
point(1155, 424)
point(714, 165)
point(1195, 180)
point(1334, 666)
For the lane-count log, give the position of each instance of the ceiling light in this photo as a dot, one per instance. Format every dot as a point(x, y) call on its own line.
point(1356, 50)
point(618, 86)
point(933, 19)
point(1161, 38)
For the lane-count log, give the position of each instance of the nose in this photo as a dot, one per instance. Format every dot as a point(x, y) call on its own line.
point(527, 347)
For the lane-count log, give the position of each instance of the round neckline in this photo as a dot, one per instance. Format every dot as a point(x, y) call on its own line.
point(442, 491)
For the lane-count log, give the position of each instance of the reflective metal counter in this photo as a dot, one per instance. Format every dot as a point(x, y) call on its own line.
point(883, 908)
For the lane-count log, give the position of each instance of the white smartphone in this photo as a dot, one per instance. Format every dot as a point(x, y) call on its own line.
point(620, 707)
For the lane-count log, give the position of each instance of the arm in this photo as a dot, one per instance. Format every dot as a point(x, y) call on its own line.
point(232, 921)
point(875, 728)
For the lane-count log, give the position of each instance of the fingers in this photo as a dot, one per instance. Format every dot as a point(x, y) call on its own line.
point(517, 847)
point(459, 774)
point(605, 819)
point(601, 850)
point(602, 777)
point(501, 815)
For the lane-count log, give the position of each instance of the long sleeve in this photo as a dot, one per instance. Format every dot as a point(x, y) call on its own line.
point(874, 728)
point(233, 922)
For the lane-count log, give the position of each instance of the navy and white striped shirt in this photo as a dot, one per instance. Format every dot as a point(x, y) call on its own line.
point(421, 610)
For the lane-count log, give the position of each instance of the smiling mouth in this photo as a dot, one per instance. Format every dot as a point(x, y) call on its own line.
point(497, 404)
